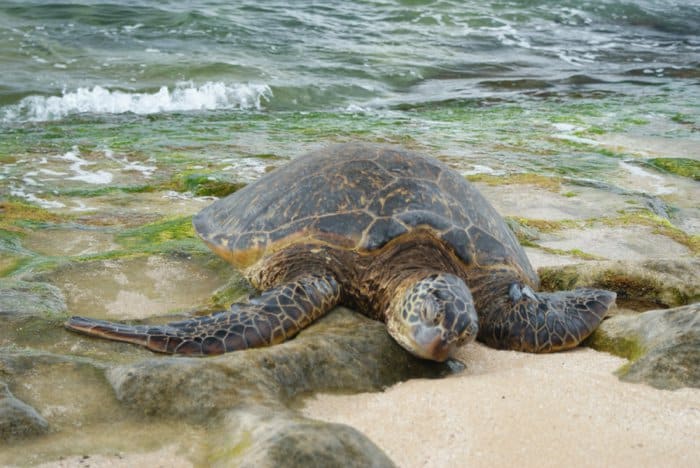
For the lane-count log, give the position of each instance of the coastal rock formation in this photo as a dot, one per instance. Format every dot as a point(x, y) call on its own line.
point(252, 397)
point(253, 390)
point(344, 352)
point(641, 285)
point(18, 419)
point(29, 298)
point(663, 346)
point(259, 436)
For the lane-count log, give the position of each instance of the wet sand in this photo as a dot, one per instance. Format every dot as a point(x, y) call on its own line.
point(516, 409)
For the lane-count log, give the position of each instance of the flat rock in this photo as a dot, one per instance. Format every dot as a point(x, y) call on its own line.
point(627, 242)
point(531, 201)
point(260, 437)
point(662, 345)
point(121, 206)
point(344, 351)
point(539, 258)
point(639, 285)
point(69, 241)
point(29, 298)
point(18, 419)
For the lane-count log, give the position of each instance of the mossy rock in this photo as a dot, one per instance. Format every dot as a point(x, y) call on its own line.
point(342, 352)
point(640, 285)
point(14, 213)
point(204, 184)
point(663, 346)
point(172, 234)
point(549, 183)
point(233, 291)
point(685, 167)
point(158, 232)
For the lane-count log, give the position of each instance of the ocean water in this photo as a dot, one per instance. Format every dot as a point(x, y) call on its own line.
point(153, 87)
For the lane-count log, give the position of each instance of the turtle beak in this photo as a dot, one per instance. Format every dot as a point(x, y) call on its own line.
point(430, 344)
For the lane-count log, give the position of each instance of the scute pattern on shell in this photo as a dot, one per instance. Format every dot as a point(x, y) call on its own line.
point(359, 196)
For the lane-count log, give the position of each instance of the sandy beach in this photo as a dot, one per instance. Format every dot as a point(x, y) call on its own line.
point(515, 409)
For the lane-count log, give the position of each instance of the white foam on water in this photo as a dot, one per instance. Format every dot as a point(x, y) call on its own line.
point(565, 127)
point(480, 169)
point(567, 131)
point(576, 139)
point(173, 195)
point(248, 169)
point(28, 180)
point(81, 206)
point(52, 173)
point(77, 163)
point(655, 180)
point(30, 197)
point(99, 100)
point(131, 166)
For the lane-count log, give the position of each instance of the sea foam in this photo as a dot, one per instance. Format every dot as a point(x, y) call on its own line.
point(99, 100)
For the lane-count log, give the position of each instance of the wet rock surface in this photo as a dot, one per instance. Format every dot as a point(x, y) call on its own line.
point(259, 437)
point(18, 419)
point(639, 285)
point(28, 298)
point(663, 346)
point(344, 351)
point(615, 243)
point(250, 397)
point(133, 256)
point(137, 287)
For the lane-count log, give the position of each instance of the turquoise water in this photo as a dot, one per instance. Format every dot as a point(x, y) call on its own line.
point(152, 88)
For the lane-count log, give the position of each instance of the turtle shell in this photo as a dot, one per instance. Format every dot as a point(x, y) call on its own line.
point(359, 197)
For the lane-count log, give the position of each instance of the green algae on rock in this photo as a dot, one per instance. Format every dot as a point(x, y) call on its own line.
point(15, 213)
point(685, 167)
point(205, 184)
point(153, 235)
point(662, 345)
point(549, 183)
point(640, 285)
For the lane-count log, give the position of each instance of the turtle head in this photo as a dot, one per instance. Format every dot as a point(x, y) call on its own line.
point(433, 315)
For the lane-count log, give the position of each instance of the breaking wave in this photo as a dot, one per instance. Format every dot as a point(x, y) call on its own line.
point(99, 100)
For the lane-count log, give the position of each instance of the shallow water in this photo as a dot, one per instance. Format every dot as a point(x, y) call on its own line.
point(97, 94)
point(136, 288)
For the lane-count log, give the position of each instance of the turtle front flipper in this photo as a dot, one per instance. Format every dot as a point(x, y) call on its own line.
point(544, 322)
point(273, 317)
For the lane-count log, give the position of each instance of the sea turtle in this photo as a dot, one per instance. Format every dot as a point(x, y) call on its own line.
point(391, 233)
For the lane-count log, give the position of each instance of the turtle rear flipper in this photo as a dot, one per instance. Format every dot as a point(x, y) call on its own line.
point(273, 317)
point(546, 322)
